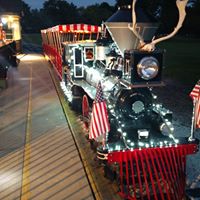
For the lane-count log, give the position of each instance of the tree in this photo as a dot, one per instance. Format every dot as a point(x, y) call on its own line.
point(168, 21)
point(19, 7)
point(97, 13)
point(59, 12)
point(120, 3)
point(192, 22)
point(16, 6)
point(158, 9)
point(166, 12)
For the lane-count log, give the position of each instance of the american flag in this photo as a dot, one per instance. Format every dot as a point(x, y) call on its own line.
point(195, 95)
point(99, 124)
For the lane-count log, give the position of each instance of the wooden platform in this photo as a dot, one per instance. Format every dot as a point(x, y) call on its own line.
point(3, 83)
point(38, 156)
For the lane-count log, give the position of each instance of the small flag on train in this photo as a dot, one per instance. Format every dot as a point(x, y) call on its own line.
point(195, 95)
point(99, 124)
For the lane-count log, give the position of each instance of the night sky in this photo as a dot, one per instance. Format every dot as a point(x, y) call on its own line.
point(39, 3)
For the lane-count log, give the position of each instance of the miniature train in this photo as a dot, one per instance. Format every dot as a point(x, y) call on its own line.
point(141, 150)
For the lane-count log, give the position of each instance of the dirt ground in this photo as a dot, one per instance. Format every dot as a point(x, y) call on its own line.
point(175, 97)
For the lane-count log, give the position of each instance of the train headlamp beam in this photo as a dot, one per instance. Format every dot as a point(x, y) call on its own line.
point(148, 68)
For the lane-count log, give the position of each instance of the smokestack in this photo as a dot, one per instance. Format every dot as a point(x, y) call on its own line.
point(117, 26)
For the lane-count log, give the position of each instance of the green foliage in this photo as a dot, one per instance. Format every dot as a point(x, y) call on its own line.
point(59, 12)
point(95, 14)
point(19, 7)
point(16, 6)
point(34, 38)
point(123, 2)
point(56, 12)
point(192, 22)
point(168, 21)
point(182, 59)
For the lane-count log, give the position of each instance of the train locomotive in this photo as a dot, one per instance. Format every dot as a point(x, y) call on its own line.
point(141, 151)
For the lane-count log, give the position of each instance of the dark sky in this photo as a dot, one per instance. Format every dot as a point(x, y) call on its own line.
point(39, 3)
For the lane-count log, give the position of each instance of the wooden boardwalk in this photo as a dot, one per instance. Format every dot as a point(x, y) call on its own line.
point(38, 156)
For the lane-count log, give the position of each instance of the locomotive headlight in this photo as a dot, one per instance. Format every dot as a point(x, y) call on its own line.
point(148, 68)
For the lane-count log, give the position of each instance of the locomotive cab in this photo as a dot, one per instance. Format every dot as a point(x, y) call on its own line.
point(78, 56)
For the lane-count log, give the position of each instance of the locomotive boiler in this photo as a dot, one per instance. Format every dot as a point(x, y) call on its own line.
point(142, 151)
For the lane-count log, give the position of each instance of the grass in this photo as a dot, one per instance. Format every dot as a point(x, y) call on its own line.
point(34, 38)
point(182, 59)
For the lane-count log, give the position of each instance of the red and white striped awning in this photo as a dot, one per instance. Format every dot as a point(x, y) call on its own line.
point(85, 28)
point(79, 28)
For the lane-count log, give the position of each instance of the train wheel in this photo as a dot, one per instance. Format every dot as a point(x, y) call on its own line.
point(85, 112)
point(109, 173)
point(76, 104)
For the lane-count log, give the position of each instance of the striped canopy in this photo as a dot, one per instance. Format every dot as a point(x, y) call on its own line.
point(85, 28)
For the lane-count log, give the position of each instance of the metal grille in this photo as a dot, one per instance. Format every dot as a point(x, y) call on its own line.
point(152, 173)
